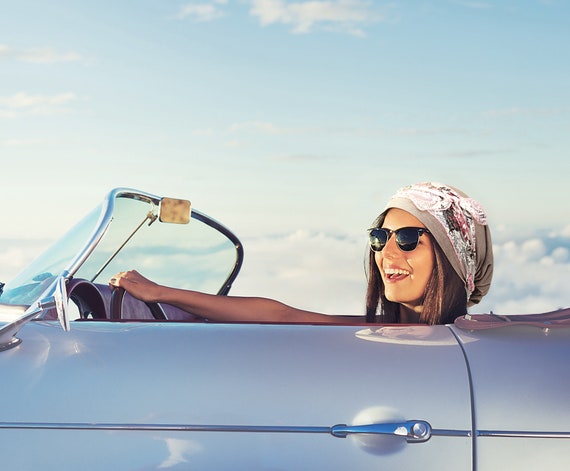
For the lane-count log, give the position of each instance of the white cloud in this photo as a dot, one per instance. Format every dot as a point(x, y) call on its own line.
point(202, 12)
point(563, 232)
point(532, 250)
point(310, 270)
point(40, 55)
point(530, 276)
point(339, 15)
point(178, 452)
point(47, 55)
point(560, 254)
point(23, 100)
point(24, 103)
point(15, 255)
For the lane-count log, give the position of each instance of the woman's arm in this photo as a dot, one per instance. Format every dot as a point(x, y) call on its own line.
point(219, 308)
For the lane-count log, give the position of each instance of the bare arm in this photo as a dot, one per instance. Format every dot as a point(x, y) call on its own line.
point(219, 308)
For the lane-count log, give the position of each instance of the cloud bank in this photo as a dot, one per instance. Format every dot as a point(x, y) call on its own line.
point(23, 103)
point(304, 17)
point(325, 272)
point(202, 12)
point(345, 16)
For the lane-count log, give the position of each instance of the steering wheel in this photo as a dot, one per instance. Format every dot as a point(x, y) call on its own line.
point(116, 309)
point(87, 297)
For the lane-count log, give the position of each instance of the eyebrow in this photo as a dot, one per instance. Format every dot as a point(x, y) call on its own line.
point(401, 227)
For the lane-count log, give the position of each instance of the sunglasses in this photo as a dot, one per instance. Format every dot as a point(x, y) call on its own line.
point(407, 238)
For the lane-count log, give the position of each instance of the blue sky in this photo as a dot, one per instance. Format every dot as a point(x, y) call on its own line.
point(293, 122)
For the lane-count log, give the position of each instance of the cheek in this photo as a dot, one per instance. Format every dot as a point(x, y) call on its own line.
point(423, 265)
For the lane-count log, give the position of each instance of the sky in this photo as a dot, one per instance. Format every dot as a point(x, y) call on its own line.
point(293, 122)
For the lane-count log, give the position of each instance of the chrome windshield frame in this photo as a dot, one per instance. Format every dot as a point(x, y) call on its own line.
point(107, 216)
point(56, 289)
point(103, 224)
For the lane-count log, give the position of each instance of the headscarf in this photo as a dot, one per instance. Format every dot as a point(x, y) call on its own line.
point(459, 225)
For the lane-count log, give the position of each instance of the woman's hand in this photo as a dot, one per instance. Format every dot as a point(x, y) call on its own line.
point(136, 285)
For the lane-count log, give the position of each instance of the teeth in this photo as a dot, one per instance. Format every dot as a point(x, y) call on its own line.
point(396, 271)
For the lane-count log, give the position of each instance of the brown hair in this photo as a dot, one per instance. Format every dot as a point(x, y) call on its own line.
point(444, 299)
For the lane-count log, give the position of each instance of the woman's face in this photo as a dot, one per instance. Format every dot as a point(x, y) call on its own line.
point(405, 274)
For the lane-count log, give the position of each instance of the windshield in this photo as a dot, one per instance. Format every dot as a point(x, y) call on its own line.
point(25, 288)
point(193, 255)
point(124, 233)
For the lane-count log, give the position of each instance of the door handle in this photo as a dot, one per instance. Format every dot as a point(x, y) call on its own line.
point(414, 431)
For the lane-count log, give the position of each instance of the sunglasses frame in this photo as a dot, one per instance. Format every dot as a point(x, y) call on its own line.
point(419, 231)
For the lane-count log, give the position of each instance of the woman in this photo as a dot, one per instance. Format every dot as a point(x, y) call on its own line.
point(442, 248)
point(430, 257)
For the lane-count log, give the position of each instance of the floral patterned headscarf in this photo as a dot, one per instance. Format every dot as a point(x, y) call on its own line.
point(459, 225)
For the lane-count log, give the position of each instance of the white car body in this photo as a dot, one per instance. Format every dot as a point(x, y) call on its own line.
point(138, 393)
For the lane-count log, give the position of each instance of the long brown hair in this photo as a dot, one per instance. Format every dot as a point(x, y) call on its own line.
point(444, 299)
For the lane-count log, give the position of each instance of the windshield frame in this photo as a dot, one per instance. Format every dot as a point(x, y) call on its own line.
point(106, 215)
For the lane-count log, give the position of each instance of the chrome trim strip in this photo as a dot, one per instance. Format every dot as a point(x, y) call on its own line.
point(451, 433)
point(161, 427)
point(521, 434)
point(254, 429)
point(192, 428)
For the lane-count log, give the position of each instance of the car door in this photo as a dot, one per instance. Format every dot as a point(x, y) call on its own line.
point(521, 384)
point(170, 395)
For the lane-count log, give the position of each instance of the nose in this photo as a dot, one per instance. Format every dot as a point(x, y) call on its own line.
point(391, 249)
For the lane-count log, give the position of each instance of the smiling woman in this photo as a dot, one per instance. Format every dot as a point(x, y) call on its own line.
point(439, 262)
point(430, 256)
point(405, 268)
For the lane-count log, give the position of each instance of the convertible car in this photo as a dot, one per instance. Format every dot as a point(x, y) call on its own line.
point(92, 379)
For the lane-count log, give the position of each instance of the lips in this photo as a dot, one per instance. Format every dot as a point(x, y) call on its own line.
point(395, 274)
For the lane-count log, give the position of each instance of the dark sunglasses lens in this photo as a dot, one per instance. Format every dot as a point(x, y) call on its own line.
point(407, 239)
point(378, 239)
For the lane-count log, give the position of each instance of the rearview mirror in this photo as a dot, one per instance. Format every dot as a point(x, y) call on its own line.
point(174, 211)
